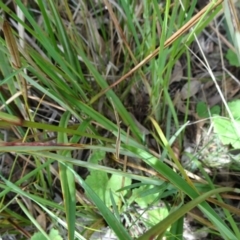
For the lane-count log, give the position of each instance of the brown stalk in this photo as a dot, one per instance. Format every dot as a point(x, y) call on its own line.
point(15, 60)
point(19, 228)
point(123, 38)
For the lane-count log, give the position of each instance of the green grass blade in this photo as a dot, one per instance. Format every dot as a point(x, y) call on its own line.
point(67, 181)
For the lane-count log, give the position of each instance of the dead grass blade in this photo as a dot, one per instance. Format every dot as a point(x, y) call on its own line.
point(16, 63)
point(120, 32)
point(233, 24)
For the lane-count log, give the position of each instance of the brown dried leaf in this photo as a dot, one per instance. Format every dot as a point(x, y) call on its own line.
point(177, 72)
point(190, 89)
point(15, 60)
point(41, 219)
point(230, 88)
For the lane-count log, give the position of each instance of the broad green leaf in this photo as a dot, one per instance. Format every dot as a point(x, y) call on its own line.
point(115, 183)
point(140, 198)
point(234, 107)
point(96, 156)
point(38, 236)
point(156, 215)
point(54, 235)
point(101, 185)
point(97, 180)
point(232, 58)
point(202, 110)
point(215, 110)
point(228, 132)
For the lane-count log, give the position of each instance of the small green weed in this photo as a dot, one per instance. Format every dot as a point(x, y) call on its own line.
point(228, 129)
point(204, 112)
point(232, 58)
point(53, 235)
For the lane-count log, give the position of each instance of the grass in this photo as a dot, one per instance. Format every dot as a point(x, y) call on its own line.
point(83, 95)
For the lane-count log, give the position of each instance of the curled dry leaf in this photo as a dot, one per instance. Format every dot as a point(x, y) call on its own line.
point(41, 219)
point(190, 89)
point(177, 72)
point(180, 105)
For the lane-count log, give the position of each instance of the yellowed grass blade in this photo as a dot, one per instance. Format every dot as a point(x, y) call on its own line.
point(15, 61)
point(233, 24)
